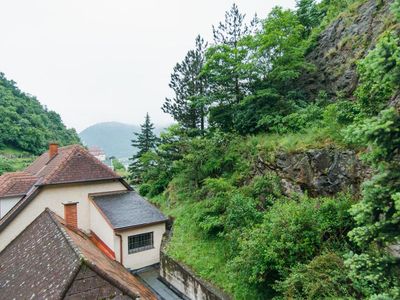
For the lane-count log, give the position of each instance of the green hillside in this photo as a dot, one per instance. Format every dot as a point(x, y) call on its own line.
point(283, 172)
point(26, 125)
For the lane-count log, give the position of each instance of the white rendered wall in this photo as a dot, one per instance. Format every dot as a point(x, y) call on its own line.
point(144, 258)
point(101, 227)
point(53, 197)
point(6, 204)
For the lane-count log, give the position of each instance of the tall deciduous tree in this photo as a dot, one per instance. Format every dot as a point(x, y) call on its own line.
point(189, 105)
point(145, 142)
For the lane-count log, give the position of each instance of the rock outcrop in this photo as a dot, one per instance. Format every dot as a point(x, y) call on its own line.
point(321, 172)
point(347, 39)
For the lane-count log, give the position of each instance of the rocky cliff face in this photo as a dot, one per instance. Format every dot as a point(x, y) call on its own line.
point(342, 43)
point(321, 172)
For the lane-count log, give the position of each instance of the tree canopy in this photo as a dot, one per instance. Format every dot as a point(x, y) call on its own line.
point(25, 124)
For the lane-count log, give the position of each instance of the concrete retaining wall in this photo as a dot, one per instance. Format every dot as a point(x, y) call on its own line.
point(183, 279)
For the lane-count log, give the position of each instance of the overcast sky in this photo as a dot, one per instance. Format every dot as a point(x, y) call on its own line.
point(95, 61)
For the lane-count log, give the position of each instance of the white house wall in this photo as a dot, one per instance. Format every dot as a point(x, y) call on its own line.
point(6, 204)
point(53, 197)
point(100, 226)
point(144, 258)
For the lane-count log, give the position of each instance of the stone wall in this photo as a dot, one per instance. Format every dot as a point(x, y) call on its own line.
point(185, 281)
point(319, 172)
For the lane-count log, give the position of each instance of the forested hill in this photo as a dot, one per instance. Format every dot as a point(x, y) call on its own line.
point(283, 172)
point(27, 125)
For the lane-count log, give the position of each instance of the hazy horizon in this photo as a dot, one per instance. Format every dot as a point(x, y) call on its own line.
point(106, 61)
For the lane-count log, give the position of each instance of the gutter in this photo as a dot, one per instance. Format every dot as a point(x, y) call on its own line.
point(120, 247)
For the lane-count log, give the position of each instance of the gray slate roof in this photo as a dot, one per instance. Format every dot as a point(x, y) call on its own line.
point(128, 209)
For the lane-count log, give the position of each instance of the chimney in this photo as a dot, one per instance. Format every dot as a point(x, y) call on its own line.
point(71, 214)
point(53, 150)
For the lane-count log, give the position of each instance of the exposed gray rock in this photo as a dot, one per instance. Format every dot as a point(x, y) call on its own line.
point(395, 101)
point(319, 172)
point(342, 43)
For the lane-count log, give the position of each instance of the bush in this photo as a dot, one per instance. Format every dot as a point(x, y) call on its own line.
point(292, 232)
point(145, 189)
point(325, 277)
point(379, 74)
point(5, 166)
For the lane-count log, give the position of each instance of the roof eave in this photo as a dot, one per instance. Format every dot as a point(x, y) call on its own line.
point(118, 229)
point(80, 181)
point(12, 214)
point(12, 196)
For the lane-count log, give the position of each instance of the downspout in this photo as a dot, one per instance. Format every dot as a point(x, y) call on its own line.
point(120, 247)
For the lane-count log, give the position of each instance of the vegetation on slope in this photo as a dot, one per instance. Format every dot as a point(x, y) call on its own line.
point(233, 224)
point(26, 125)
point(12, 160)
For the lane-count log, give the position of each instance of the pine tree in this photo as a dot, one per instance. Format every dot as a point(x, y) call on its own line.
point(145, 142)
point(189, 106)
point(227, 68)
point(308, 13)
point(374, 269)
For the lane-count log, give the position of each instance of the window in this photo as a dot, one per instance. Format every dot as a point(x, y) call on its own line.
point(140, 242)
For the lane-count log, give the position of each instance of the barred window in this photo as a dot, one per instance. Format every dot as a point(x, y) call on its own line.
point(140, 242)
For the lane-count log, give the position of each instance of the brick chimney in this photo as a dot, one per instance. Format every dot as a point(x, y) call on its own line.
point(53, 150)
point(71, 214)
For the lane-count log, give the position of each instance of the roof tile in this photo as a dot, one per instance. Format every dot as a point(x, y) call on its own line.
point(29, 268)
point(128, 209)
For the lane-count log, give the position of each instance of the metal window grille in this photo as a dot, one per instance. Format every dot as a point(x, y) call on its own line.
point(140, 242)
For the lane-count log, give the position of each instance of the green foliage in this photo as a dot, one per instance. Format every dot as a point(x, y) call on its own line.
point(396, 9)
point(377, 215)
point(309, 14)
point(225, 209)
point(291, 233)
point(145, 142)
point(324, 277)
point(379, 74)
point(189, 106)
point(233, 225)
point(27, 125)
point(145, 189)
point(118, 166)
point(5, 166)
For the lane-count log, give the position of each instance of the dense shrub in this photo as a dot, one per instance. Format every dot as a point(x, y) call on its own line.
point(379, 74)
point(324, 277)
point(292, 232)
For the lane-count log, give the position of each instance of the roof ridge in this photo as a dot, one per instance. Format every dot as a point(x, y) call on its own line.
point(97, 161)
point(69, 240)
point(61, 164)
point(122, 286)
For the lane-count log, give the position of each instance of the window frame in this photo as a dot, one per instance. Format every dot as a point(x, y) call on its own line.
point(139, 245)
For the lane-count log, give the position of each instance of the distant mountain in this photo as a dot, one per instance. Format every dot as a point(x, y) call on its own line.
point(113, 137)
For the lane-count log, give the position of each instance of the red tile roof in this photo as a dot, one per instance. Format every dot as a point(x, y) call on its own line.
point(72, 164)
point(16, 184)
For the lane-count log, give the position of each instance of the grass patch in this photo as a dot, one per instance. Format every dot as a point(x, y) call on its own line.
point(207, 256)
point(314, 138)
